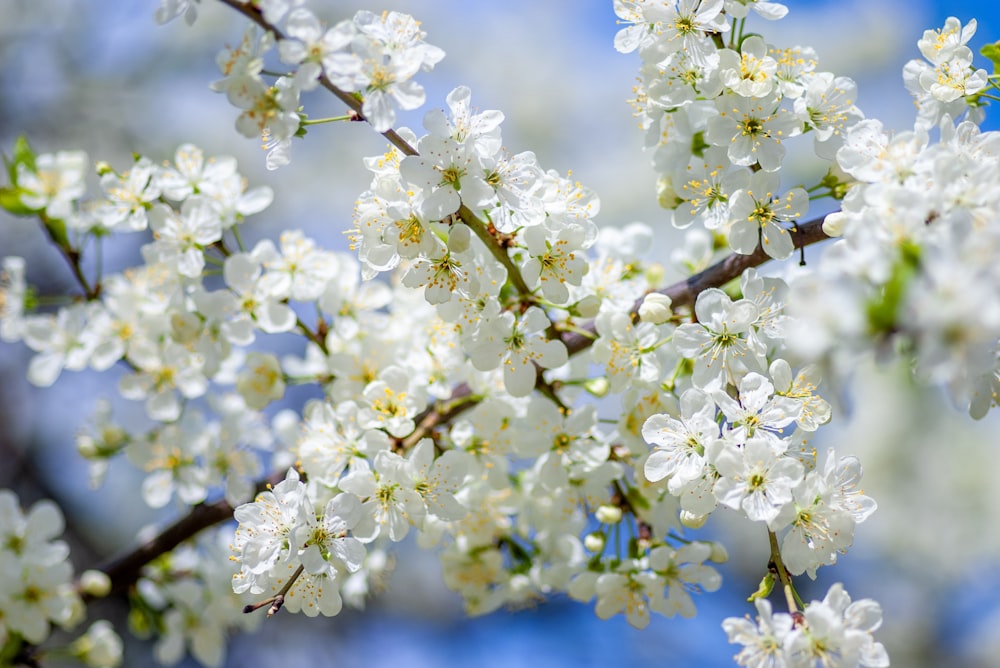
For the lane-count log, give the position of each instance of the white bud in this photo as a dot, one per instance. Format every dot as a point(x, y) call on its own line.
point(95, 583)
point(833, 224)
point(588, 306)
point(719, 554)
point(692, 521)
point(459, 238)
point(655, 308)
point(594, 542)
point(608, 514)
point(666, 195)
point(86, 446)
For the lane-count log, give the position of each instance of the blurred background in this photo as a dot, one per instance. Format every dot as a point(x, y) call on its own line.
point(101, 76)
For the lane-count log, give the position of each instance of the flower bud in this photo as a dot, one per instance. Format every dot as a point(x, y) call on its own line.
point(833, 224)
point(655, 274)
point(99, 647)
point(459, 238)
point(655, 308)
point(692, 521)
point(587, 307)
point(86, 446)
point(95, 583)
point(598, 387)
point(666, 195)
point(594, 542)
point(719, 554)
point(608, 514)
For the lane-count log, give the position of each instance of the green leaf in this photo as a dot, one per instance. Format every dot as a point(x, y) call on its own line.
point(992, 52)
point(764, 588)
point(10, 201)
point(883, 310)
point(23, 155)
point(57, 231)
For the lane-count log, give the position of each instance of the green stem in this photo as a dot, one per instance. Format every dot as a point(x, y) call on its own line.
point(331, 119)
point(480, 230)
point(791, 596)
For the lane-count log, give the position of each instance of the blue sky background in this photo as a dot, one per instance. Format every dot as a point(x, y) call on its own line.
point(103, 77)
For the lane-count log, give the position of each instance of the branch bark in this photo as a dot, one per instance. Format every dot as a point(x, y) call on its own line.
point(684, 293)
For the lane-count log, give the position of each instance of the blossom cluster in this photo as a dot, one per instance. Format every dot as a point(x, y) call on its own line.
point(372, 55)
point(496, 374)
point(718, 115)
point(914, 267)
point(835, 632)
point(37, 588)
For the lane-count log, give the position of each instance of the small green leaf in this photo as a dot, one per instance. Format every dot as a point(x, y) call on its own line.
point(10, 201)
point(57, 231)
point(883, 310)
point(764, 588)
point(23, 155)
point(992, 51)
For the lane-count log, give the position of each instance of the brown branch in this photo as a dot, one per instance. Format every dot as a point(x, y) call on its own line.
point(126, 569)
point(684, 293)
point(352, 101)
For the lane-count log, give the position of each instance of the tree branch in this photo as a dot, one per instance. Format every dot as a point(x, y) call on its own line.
point(684, 293)
point(126, 569)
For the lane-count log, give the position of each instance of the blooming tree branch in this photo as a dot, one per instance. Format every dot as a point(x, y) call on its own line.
point(461, 349)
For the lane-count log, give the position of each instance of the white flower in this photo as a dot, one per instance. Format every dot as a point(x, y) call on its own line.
point(56, 182)
point(828, 108)
point(391, 402)
point(331, 438)
point(182, 237)
point(63, 341)
point(265, 527)
point(390, 504)
point(450, 173)
point(940, 45)
point(312, 48)
point(518, 344)
point(684, 571)
point(261, 380)
point(99, 647)
point(130, 195)
point(29, 538)
point(192, 173)
point(751, 72)
point(763, 642)
point(438, 479)
point(388, 49)
point(627, 350)
point(39, 593)
point(300, 271)
point(718, 342)
point(753, 130)
point(171, 456)
point(755, 479)
point(679, 444)
point(555, 260)
point(326, 547)
point(706, 189)
point(630, 589)
point(818, 529)
point(759, 413)
point(759, 217)
point(256, 304)
point(837, 632)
